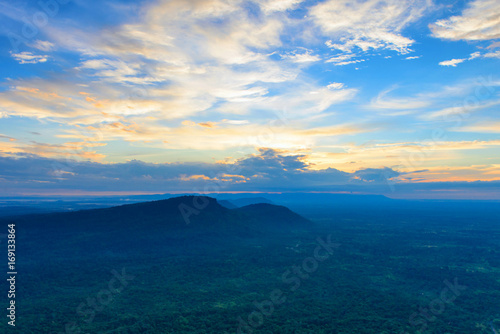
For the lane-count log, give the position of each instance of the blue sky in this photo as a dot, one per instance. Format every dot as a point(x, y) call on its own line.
point(407, 90)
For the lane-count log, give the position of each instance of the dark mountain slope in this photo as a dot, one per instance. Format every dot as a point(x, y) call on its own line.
point(179, 213)
point(227, 204)
point(270, 216)
point(240, 202)
point(178, 224)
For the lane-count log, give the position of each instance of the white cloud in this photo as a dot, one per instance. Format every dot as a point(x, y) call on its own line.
point(235, 122)
point(270, 6)
point(485, 127)
point(413, 57)
point(343, 63)
point(29, 58)
point(176, 61)
point(474, 55)
point(495, 54)
point(42, 45)
point(383, 101)
point(459, 110)
point(335, 85)
point(371, 24)
point(455, 62)
point(341, 58)
point(452, 62)
point(344, 59)
point(301, 57)
point(479, 21)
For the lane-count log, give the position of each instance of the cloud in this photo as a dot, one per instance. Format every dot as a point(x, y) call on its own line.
point(479, 21)
point(270, 6)
point(146, 68)
point(474, 55)
point(485, 127)
point(383, 101)
point(45, 46)
point(267, 170)
point(455, 62)
point(37, 103)
point(371, 24)
point(452, 62)
point(70, 150)
point(439, 101)
point(406, 157)
point(379, 175)
point(29, 58)
point(413, 57)
point(343, 63)
point(213, 136)
point(495, 54)
point(459, 110)
point(335, 85)
point(344, 59)
point(305, 56)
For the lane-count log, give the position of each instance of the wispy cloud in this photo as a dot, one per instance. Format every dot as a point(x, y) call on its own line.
point(335, 85)
point(302, 56)
point(372, 24)
point(45, 46)
point(29, 58)
point(455, 62)
point(458, 110)
point(384, 101)
point(270, 6)
point(485, 127)
point(479, 21)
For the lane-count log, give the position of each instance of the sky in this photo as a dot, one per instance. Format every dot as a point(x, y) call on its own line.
point(396, 97)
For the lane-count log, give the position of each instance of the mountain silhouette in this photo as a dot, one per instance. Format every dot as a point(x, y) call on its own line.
point(270, 216)
point(179, 218)
point(179, 225)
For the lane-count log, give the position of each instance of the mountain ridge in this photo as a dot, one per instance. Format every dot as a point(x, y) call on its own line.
point(177, 213)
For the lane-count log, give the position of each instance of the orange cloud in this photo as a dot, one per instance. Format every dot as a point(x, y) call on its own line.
point(208, 124)
point(74, 150)
point(196, 177)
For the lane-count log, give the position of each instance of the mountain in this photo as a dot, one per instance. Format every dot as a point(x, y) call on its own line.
point(272, 216)
point(227, 204)
point(174, 218)
point(240, 202)
point(177, 225)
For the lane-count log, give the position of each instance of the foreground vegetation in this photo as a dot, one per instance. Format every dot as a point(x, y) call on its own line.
point(387, 275)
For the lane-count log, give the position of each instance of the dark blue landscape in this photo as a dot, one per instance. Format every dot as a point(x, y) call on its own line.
point(247, 264)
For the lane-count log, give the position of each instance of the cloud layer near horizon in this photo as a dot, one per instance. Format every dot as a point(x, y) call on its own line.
point(268, 171)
